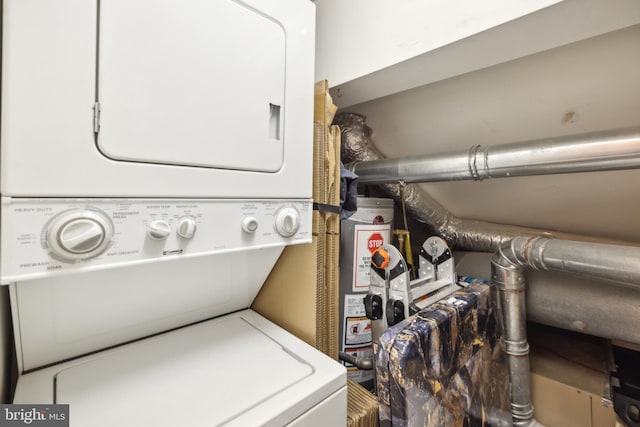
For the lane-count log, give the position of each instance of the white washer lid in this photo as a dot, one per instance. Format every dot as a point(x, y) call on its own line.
point(206, 374)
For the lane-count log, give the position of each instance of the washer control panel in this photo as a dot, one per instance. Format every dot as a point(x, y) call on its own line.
point(40, 236)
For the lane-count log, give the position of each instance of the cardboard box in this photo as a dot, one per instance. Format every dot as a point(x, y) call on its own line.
point(569, 375)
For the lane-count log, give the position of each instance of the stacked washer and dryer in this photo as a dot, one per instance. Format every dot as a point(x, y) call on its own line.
point(156, 159)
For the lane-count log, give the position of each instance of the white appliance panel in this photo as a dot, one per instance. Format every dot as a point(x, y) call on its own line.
point(196, 83)
point(49, 78)
point(237, 370)
point(66, 316)
point(186, 364)
point(31, 238)
point(155, 159)
point(330, 412)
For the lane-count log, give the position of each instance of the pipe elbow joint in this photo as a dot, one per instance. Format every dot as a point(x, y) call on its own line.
point(506, 269)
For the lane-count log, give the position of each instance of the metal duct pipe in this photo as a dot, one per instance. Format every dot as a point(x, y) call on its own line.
point(608, 262)
point(581, 304)
point(508, 277)
point(598, 151)
point(459, 232)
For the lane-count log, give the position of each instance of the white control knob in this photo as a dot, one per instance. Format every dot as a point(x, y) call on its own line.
point(287, 222)
point(186, 227)
point(250, 224)
point(159, 229)
point(78, 234)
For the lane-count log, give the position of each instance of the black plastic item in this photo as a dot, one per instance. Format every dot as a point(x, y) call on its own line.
point(395, 312)
point(348, 192)
point(625, 385)
point(373, 306)
point(413, 309)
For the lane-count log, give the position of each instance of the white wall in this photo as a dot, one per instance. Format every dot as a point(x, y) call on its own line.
point(373, 48)
point(586, 86)
point(360, 36)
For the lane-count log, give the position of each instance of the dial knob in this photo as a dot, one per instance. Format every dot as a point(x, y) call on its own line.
point(186, 227)
point(287, 222)
point(78, 234)
point(159, 229)
point(250, 224)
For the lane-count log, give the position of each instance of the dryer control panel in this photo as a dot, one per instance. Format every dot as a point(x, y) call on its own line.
point(42, 237)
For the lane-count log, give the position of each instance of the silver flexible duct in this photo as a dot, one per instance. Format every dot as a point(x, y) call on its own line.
point(459, 232)
point(609, 262)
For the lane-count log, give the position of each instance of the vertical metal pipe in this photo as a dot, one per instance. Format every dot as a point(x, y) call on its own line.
point(617, 263)
point(508, 277)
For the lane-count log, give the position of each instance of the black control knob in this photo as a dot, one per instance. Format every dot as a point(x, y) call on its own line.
point(373, 306)
point(395, 312)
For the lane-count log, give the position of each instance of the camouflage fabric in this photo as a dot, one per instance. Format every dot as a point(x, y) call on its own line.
point(443, 366)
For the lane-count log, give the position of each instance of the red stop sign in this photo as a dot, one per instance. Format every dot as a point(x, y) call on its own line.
point(375, 242)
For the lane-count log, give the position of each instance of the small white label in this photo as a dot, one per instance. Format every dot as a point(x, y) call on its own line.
point(354, 305)
point(357, 330)
point(356, 339)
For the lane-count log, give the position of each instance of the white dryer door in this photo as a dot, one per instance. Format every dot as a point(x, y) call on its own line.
point(192, 83)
